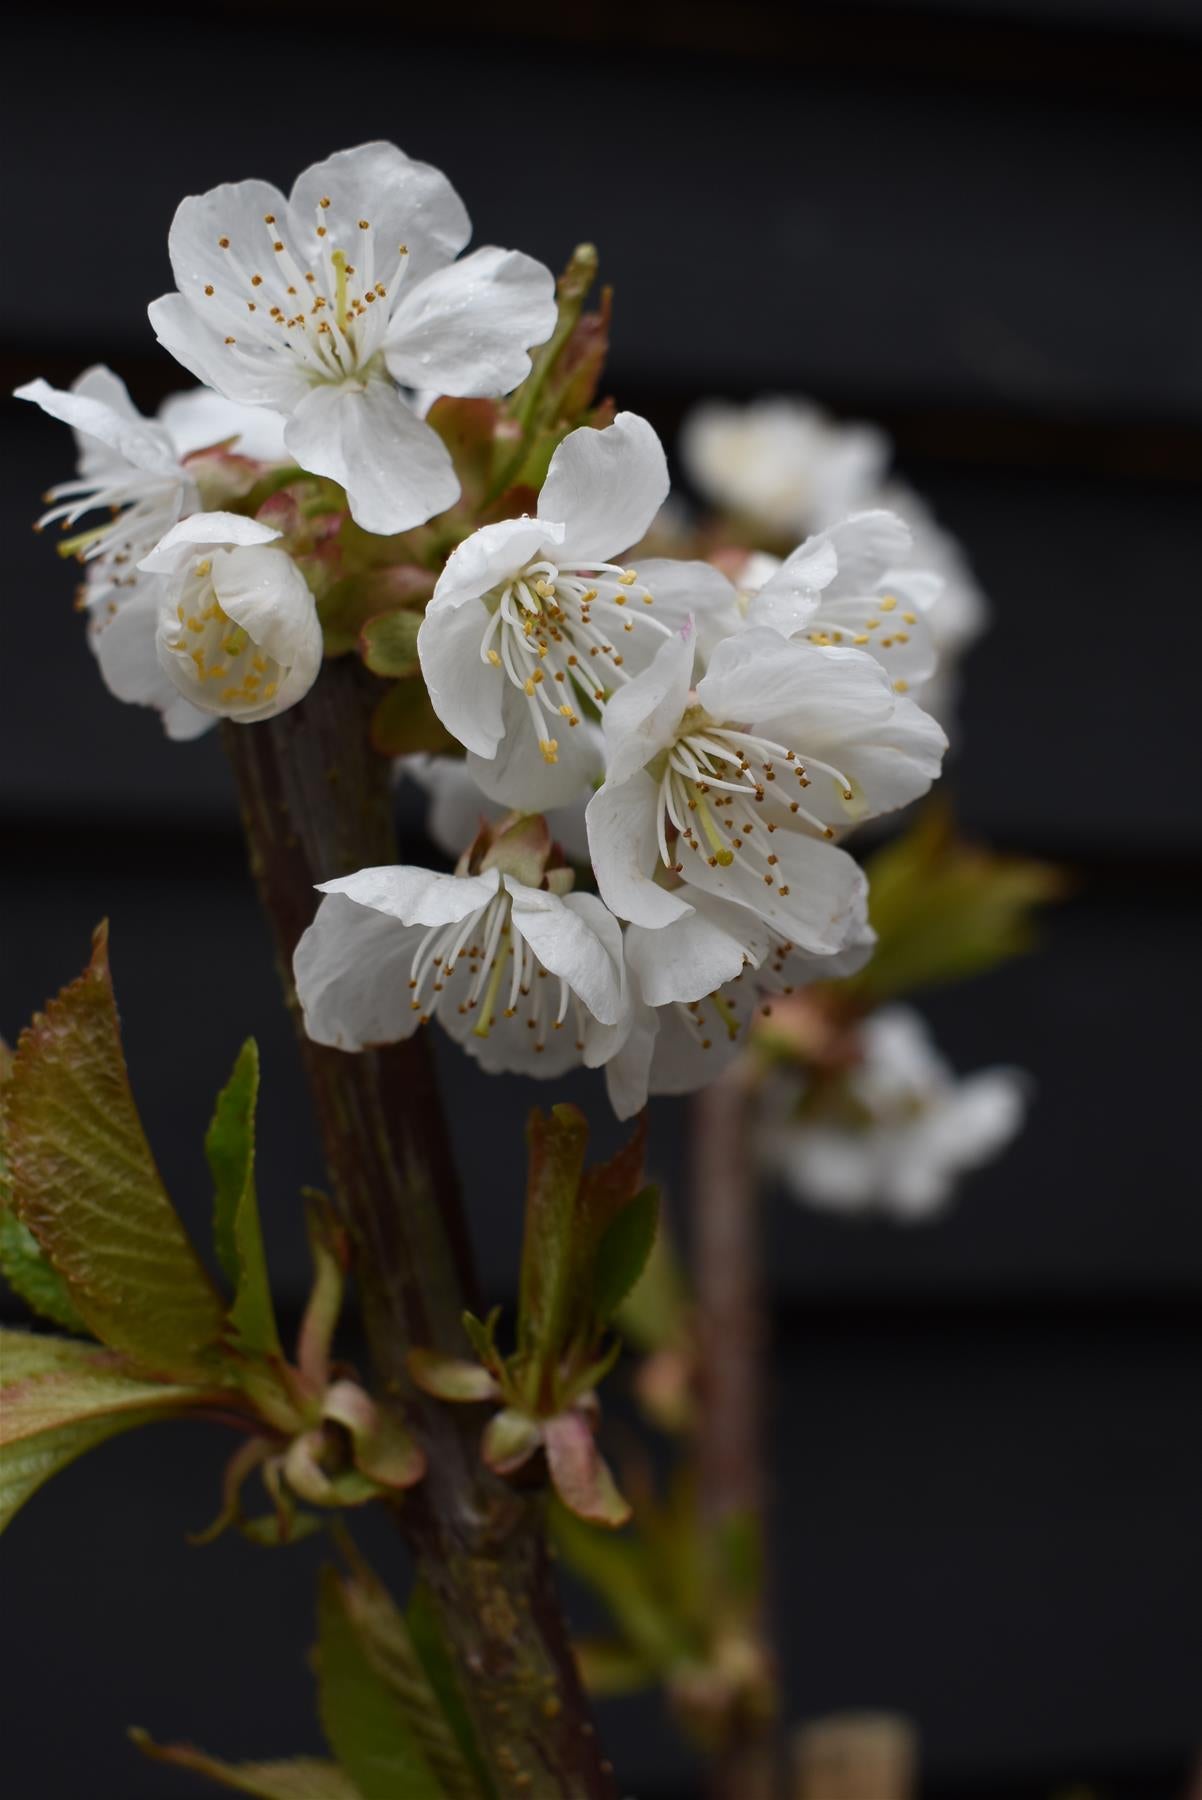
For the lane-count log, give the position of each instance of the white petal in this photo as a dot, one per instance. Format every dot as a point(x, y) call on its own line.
point(139, 442)
point(825, 895)
point(129, 664)
point(416, 896)
point(628, 1071)
point(199, 418)
point(576, 939)
point(519, 775)
point(234, 211)
point(890, 764)
point(406, 202)
point(492, 555)
point(465, 691)
point(264, 592)
point(820, 696)
point(694, 955)
point(904, 647)
point(625, 853)
point(252, 373)
point(606, 487)
point(457, 804)
point(397, 471)
point(174, 549)
point(684, 1058)
point(865, 545)
point(352, 976)
point(642, 718)
point(467, 329)
point(684, 590)
point(979, 1118)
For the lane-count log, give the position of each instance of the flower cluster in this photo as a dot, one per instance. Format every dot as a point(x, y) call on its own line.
point(643, 767)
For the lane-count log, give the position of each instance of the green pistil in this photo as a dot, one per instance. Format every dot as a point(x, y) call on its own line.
point(483, 1024)
point(724, 855)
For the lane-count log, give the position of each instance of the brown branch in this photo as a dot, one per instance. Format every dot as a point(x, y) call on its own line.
point(731, 1343)
point(316, 803)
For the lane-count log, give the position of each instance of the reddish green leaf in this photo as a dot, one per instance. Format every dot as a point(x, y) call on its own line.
point(304, 1778)
point(623, 1252)
point(59, 1398)
point(85, 1183)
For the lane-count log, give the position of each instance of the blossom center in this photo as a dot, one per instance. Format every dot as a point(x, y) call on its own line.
point(328, 311)
point(714, 781)
point(217, 659)
point(480, 965)
point(557, 634)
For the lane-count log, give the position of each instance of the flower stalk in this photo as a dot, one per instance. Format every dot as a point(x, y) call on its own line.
point(316, 804)
point(731, 1423)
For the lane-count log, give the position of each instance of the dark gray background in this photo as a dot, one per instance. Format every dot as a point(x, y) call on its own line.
point(977, 223)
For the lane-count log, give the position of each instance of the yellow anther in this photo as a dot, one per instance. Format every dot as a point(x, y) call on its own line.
point(901, 687)
point(628, 577)
point(887, 602)
point(550, 749)
point(204, 566)
point(910, 618)
point(861, 637)
point(494, 659)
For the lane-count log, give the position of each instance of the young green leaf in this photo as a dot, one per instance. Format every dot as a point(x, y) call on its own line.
point(944, 909)
point(32, 1277)
point(22, 1261)
point(237, 1232)
point(623, 1252)
point(85, 1183)
point(430, 1648)
point(59, 1398)
point(378, 1711)
point(305, 1778)
point(388, 644)
point(405, 722)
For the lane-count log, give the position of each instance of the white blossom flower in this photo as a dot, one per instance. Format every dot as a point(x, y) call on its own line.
point(233, 626)
point(788, 467)
point(134, 469)
point(324, 305)
point(896, 1132)
point(527, 980)
point(697, 983)
point(732, 787)
point(868, 600)
point(530, 614)
point(783, 463)
point(458, 803)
